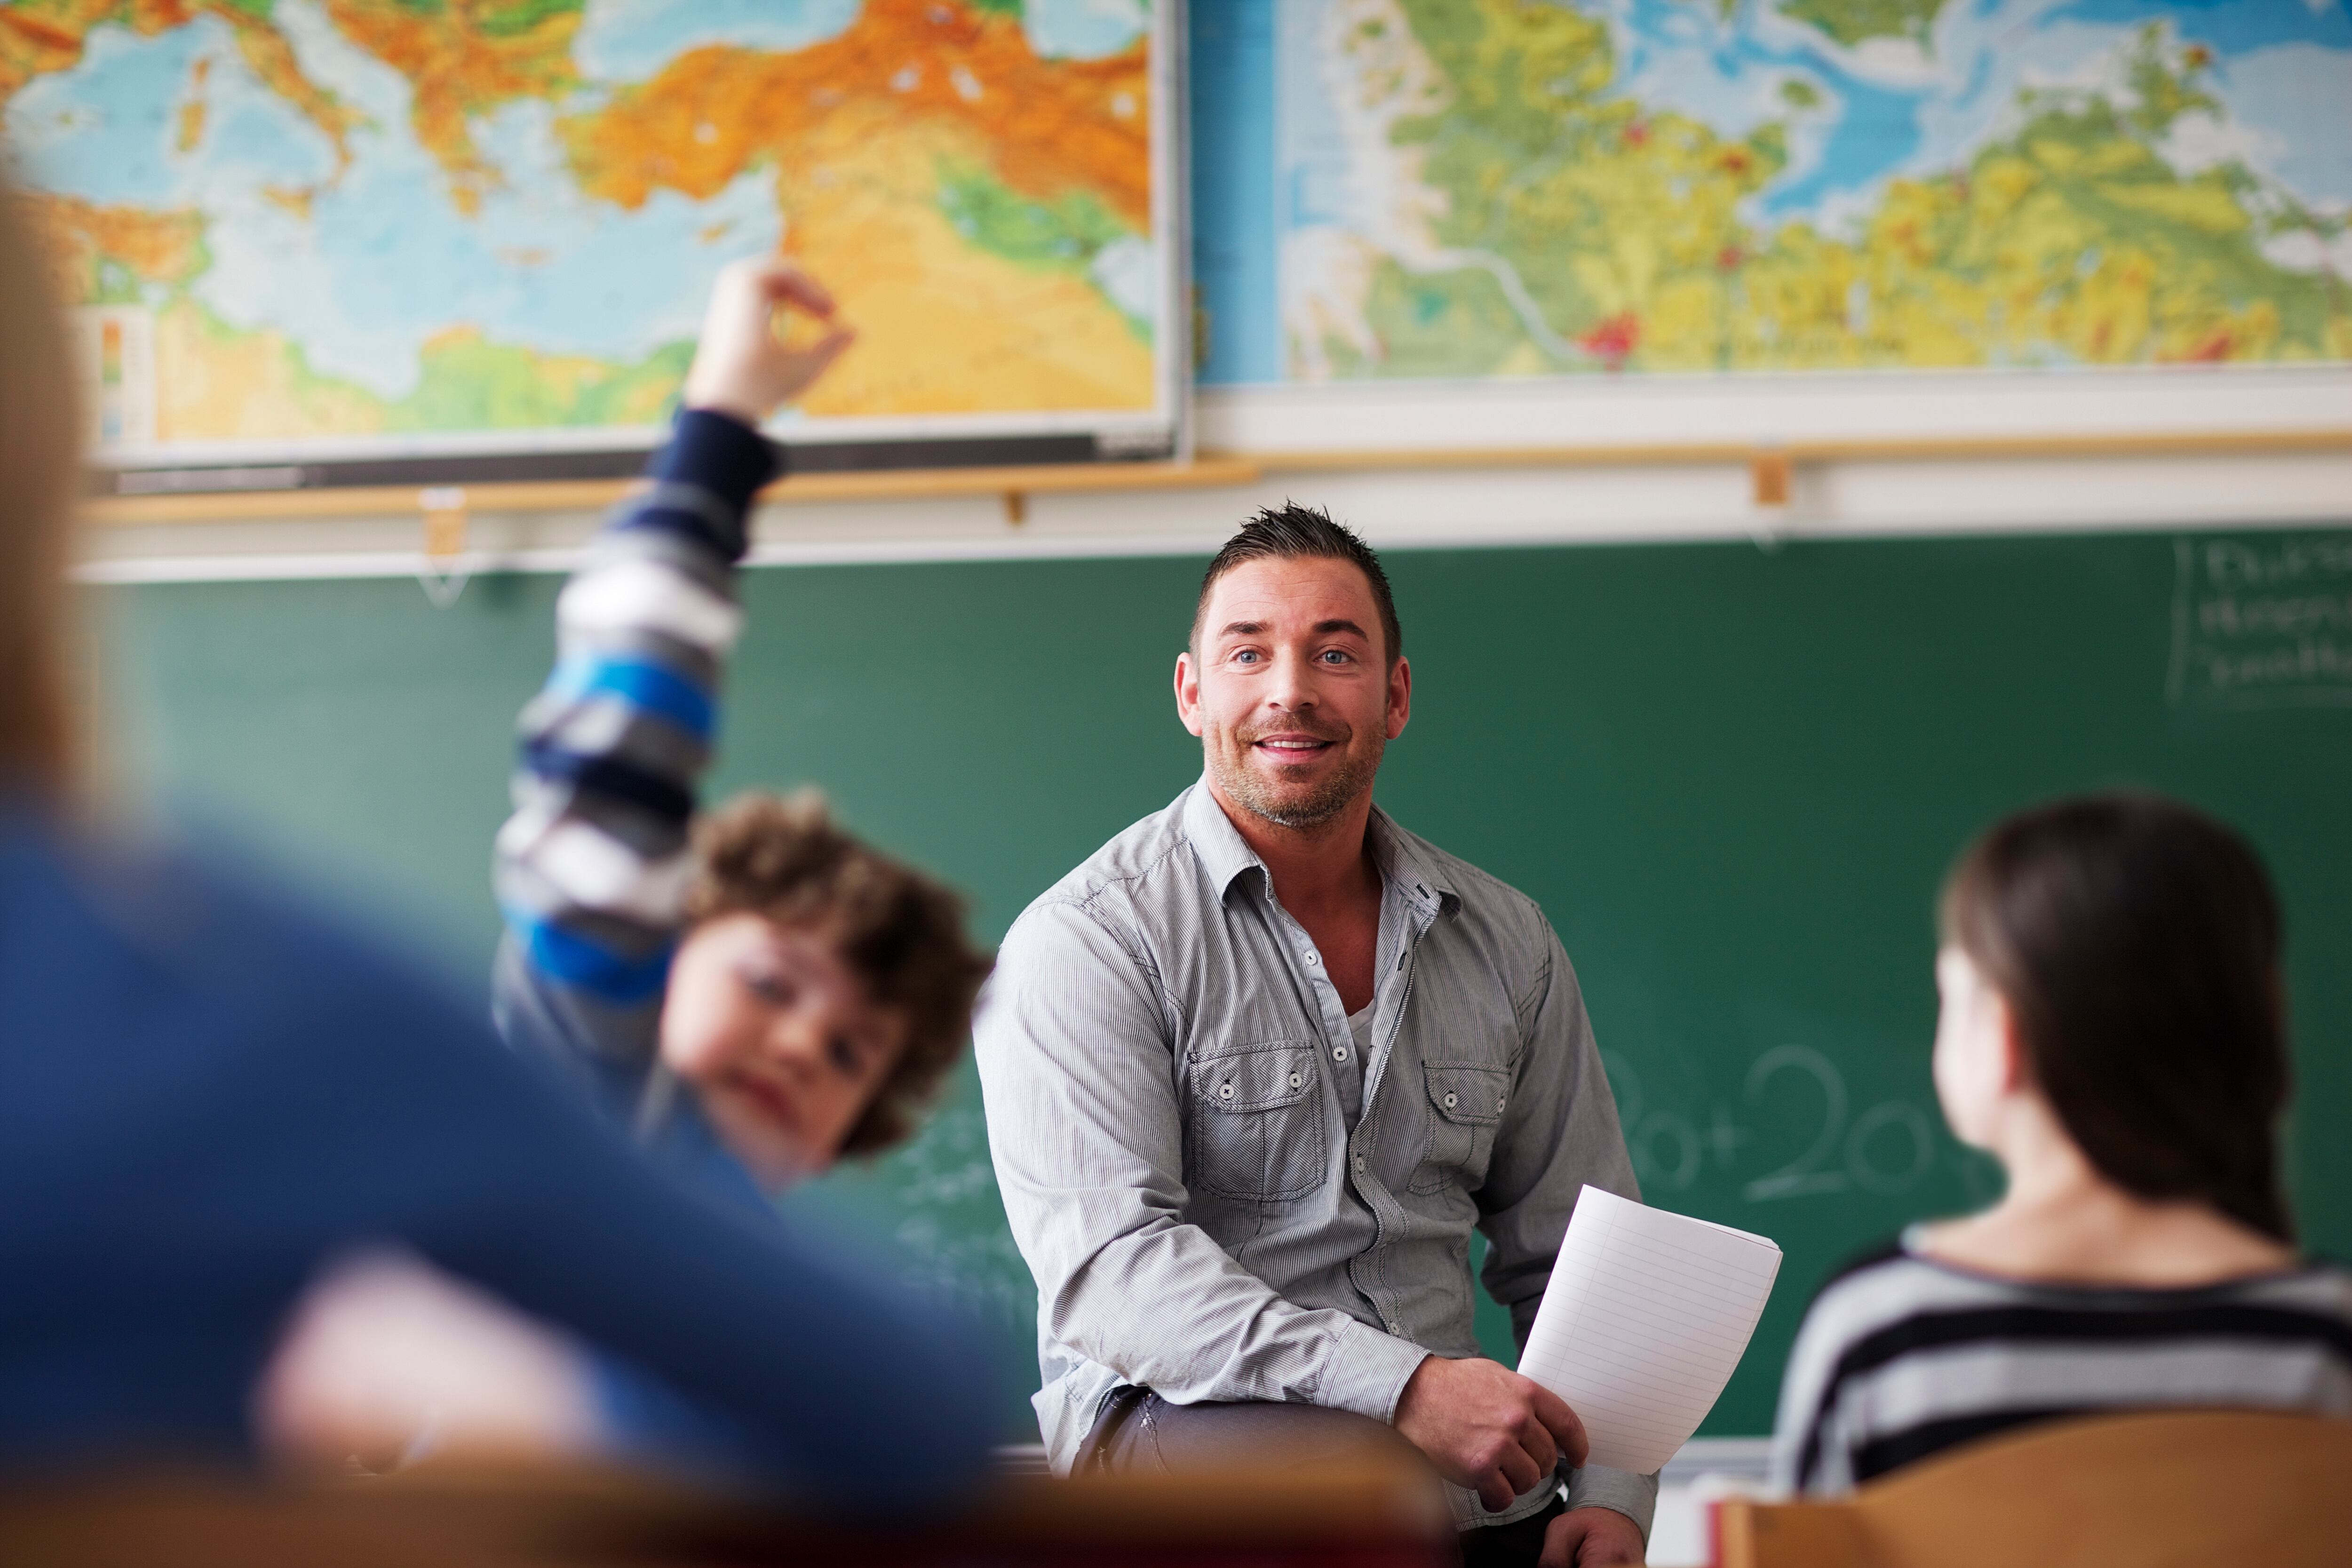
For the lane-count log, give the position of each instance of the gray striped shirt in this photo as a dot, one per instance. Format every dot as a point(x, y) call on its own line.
point(1902, 1356)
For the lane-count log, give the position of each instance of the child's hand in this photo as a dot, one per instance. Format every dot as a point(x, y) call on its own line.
point(743, 367)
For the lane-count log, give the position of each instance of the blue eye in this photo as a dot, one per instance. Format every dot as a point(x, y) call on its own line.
point(1246, 656)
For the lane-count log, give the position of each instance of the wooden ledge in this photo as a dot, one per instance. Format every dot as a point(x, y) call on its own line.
point(1768, 461)
point(1672, 454)
point(1013, 484)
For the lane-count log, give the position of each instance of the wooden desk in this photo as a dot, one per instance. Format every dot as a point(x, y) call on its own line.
point(1364, 1517)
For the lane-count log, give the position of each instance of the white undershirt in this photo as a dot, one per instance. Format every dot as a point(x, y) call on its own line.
point(1350, 1074)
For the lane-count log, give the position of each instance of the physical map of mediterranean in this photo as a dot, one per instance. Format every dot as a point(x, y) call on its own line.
point(297, 224)
point(1476, 188)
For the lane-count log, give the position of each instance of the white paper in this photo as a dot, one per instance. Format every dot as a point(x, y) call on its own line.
point(1646, 1317)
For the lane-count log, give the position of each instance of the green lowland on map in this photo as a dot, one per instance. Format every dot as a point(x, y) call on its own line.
point(298, 225)
point(1524, 187)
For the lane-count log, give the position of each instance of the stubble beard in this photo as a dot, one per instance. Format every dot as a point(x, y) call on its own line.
point(1292, 809)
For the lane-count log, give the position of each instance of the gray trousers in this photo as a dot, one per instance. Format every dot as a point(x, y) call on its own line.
point(1139, 1430)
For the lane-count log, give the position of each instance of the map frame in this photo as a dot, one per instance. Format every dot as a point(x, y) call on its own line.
point(1256, 398)
point(813, 444)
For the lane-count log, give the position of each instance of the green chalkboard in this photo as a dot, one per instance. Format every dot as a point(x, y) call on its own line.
point(1733, 778)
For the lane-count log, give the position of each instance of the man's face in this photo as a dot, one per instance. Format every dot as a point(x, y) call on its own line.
point(780, 1040)
point(1290, 689)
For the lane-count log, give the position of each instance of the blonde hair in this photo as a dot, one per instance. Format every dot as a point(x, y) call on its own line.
point(40, 438)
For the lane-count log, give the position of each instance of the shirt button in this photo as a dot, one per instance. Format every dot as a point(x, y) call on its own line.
point(1338, 1053)
point(1449, 1102)
point(1314, 958)
point(1225, 1091)
point(1394, 1330)
point(1296, 1080)
point(1499, 1101)
point(1360, 1162)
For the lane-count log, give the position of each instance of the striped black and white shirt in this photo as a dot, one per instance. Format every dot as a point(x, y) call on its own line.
point(1902, 1356)
point(592, 868)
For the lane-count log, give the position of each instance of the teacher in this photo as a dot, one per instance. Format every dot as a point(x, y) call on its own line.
point(1254, 1072)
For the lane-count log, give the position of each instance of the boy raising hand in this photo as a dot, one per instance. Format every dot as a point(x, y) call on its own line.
point(805, 993)
point(754, 995)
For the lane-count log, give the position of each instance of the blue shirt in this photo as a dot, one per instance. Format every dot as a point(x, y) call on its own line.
point(205, 1094)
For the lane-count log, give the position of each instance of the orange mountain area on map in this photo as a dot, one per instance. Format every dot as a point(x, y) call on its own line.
point(714, 112)
point(155, 247)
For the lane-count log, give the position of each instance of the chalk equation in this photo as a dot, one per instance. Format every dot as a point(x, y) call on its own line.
point(2262, 621)
point(1891, 1147)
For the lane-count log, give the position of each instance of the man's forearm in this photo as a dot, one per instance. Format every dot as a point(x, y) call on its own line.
point(1173, 1312)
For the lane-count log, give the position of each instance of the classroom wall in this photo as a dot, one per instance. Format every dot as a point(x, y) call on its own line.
point(1732, 775)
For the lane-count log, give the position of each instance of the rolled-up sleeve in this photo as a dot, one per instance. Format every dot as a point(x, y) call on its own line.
point(1075, 1044)
point(1561, 1135)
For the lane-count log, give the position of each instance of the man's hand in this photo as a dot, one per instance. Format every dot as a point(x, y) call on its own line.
point(743, 367)
point(1589, 1538)
point(1488, 1428)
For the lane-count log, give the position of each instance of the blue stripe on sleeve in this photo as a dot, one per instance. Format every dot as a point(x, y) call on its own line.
point(571, 959)
point(640, 683)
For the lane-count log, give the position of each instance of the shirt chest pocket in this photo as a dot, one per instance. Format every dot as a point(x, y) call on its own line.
point(1256, 1122)
point(1467, 1101)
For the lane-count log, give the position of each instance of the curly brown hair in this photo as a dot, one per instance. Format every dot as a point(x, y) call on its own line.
point(786, 860)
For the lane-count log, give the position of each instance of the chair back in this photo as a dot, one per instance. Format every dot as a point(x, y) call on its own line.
point(2170, 1490)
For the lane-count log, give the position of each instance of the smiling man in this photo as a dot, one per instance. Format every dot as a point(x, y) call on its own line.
point(1257, 1069)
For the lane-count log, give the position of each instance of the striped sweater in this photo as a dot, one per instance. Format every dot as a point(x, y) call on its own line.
point(592, 868)
point(1901, 1357)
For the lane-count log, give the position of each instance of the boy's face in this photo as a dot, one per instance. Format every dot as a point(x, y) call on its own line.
point(779, 1039)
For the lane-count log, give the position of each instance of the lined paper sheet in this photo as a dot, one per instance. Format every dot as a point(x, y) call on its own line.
point(1646, 1317)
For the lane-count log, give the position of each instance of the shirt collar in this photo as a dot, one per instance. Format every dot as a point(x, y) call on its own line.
point(1224, 854)
point(1402, 864)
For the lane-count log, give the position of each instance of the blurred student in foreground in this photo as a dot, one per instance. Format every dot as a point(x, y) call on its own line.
point(2114, 1031)
point(204, 1098)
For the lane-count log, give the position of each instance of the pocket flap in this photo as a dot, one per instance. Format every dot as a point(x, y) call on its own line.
point(1256, 1078)
point(1474, 1096)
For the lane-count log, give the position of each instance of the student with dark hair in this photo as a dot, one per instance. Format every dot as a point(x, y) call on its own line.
point(206, 1097)
point(2114, 1031)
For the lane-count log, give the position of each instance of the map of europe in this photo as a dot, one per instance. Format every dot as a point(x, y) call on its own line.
point(1476, 188)
point(315, 226)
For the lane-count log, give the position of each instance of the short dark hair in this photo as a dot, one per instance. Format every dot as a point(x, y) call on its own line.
point(2136, 944)
point(785, 860)
point(1295, 533)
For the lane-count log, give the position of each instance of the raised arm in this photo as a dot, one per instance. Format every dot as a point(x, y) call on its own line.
point(1083, 1124)
point(592, 867)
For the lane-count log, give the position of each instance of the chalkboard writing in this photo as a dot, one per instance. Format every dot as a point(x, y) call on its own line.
point(1891, 1147)
point(2262, 621)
